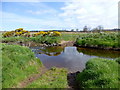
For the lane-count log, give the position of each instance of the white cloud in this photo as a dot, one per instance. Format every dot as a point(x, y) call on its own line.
point(92, 13)
point(11, 21)
point(40, 12)
point(74, 15)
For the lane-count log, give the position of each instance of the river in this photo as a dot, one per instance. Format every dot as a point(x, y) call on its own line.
point(72, 58)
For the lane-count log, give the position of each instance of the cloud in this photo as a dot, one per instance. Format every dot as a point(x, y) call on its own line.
point(74, 14)
point(36, 0)
point(40, 12)
point(11, 21)
point(92, 13)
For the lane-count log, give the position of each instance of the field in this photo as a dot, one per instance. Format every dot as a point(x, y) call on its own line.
point(19, 62)
point(103, 40)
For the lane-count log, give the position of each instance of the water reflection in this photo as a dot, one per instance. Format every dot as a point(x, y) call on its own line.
point(99, 52)
point(72, 58)
point(50, 51)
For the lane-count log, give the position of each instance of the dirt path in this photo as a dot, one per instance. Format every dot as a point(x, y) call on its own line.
point(66, 43)
point(71, 77)
point(32, 78)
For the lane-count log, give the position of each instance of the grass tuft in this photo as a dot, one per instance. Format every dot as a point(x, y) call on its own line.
point(99, 73)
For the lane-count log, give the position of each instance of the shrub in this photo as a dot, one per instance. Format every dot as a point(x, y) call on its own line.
point(39, 33)
point(56, 33)
point(17, 32)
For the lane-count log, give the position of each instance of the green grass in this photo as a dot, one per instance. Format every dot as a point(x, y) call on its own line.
point(46, 39)
point(99, 73)
point(0, 67)
point(54, 78)
point(15, 39)
point(18, 63)
point(118, 60)
point(43, 39)
point(103, 40)
point(70, 37)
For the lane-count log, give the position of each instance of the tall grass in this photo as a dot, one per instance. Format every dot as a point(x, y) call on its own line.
point(15, 39)
point(46, 39)
point(17, 64)
point(99, 73)
point(99, 40)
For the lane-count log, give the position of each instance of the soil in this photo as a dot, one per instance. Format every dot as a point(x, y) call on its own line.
point(71, 77)
point(31, 78)
point(67, 43)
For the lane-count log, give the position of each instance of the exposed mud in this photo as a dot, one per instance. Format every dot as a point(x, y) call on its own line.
point(72, 83)
point(32, 78)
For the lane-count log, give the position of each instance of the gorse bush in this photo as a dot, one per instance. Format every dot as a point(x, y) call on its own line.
point(49, 33)
point(17, 32)
point(39, 33)
point(18, 63)
point(99, 73)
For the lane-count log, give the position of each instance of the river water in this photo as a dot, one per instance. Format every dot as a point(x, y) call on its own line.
point(72, 58)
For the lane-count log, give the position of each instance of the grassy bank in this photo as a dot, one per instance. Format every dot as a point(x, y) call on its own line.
point(100, 73)
point(45, 39)
point(18, 63)
point(101, 40)
point(54, 78)
point(15, 39)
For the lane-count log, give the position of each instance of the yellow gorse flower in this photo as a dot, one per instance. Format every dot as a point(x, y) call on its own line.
point(17, 32)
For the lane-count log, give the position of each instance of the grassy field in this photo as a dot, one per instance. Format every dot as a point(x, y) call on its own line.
point(100, 73)
point(102, 40)
point(54, 78)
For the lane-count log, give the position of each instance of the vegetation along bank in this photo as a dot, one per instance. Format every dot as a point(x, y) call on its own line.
point(100, 73)
point(54, 38)
point(20, 68)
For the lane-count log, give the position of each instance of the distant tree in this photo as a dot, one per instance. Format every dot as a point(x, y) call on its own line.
point(100, 28)
point(72, 30)
point(77, 30)
point(85, 28)
point(95, 29)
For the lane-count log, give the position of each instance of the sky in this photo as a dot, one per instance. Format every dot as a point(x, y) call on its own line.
point(49, 15)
